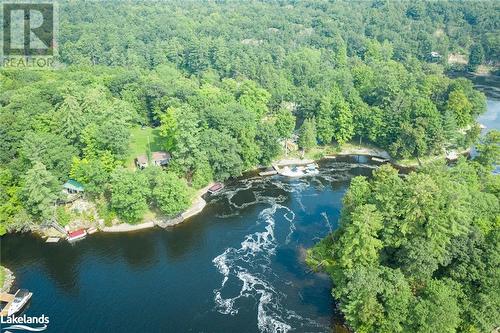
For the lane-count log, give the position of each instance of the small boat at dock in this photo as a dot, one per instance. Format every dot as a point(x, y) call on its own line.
point(21, 297)
point(378, 159)
point(216, 188)
point(299, 171)
point(77, 235)
point(294, 171)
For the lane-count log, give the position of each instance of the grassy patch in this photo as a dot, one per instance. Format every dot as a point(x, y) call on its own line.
point(143, 140)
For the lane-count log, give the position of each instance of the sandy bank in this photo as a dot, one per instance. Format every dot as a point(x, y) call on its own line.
point(125, 227)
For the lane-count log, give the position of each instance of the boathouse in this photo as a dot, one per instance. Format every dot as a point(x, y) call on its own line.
point(72, 187)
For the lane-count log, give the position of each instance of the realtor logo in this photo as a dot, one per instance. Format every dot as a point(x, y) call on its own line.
point(24, 323)
point(29, 32)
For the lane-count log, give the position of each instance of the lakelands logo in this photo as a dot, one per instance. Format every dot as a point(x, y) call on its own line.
point(29, 33)
point(25, 323)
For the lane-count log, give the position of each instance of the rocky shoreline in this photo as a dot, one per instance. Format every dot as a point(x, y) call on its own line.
point(8, 280)
point(196, 207)
point(199, 203)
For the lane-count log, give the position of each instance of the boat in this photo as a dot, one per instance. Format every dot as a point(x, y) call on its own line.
point(378, 159)
point(21, 297)
point(216, 188)
point(92, 230)
point(294, 171)
point(76, 235)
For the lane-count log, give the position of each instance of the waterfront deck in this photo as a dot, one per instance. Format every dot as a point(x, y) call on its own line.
point(5, 298)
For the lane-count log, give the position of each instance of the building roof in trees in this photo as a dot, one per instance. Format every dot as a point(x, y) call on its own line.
point(142, 160)
point(160, 155)
point(73, 185)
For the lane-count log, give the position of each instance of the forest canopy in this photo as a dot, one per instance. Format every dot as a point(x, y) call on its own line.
point(223, 85)
point(418, 253)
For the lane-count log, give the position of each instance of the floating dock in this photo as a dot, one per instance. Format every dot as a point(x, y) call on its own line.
point(52, 240)
point(8, 299)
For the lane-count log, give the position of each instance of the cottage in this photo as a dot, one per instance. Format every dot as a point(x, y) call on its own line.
point(141, 161)
point(72, 187)
point(160, 158)
point(435, 54)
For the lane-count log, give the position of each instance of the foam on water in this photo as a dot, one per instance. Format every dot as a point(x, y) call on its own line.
point(248, 268)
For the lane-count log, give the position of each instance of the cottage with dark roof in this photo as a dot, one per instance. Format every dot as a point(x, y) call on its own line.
point(160, 158)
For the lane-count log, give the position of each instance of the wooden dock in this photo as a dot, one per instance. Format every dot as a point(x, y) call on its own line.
point(6, 298)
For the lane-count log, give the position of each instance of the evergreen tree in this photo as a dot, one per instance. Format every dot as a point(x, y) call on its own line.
point(40, 192)
point(307, 134)
point(476, 56)
point(71, 122)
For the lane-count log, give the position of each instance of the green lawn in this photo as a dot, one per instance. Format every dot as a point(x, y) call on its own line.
point(139, 142)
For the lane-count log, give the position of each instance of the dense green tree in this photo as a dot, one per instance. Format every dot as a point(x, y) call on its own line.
point(416, 254)
point(324, 121)
point(253, 98)
point(223, 153)
point(460, 106)
point(489, 149)
point(335, 119)
point(72, 121)
point(436, 310)
point(476, 56)
point(285, 123)
point(170, 193)
point(52, 150)
point(129, 193)
point(40, 191)
point(268, 140)
point(361, 230)
point(307, 134)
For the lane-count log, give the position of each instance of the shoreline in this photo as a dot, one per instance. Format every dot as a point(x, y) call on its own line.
point(199, 203)
point(196, 207)
point(9, 279)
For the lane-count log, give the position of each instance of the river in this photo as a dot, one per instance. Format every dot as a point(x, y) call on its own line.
point(237, 266)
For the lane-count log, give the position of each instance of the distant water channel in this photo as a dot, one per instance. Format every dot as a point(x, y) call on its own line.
point(236, 267)
point(490, 85)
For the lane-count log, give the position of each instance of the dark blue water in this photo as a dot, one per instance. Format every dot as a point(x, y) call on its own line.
point(238, 266)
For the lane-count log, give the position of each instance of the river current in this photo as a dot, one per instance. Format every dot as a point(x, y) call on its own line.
point(236, 267)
